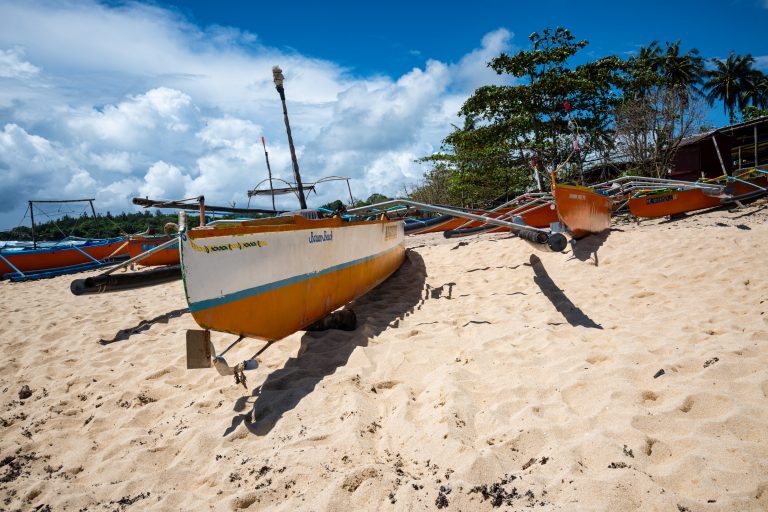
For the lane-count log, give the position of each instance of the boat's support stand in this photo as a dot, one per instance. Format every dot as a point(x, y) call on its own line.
point(202, 354)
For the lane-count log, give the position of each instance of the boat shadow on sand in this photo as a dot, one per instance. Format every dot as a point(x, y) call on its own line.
point(558, 298)
point(322, 353)
point(586, 248)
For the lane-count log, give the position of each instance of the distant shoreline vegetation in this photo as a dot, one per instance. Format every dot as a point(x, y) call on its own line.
point(102, 226)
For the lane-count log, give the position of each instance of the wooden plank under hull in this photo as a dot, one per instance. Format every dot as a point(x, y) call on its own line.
point(141, 243)
point(269, 280)
point(50, 258)
point(582, 209)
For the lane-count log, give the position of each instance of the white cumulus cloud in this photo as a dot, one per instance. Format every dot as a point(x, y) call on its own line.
point(13, 65)
point(164, 108)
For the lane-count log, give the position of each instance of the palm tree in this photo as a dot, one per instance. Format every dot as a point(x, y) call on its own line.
point(729, 82)
point(644, 69)
point(757, 91)
point(681, 72)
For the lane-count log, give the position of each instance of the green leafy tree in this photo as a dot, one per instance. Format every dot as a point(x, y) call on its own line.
point(372, 199)
point(508, 127)
point(752, 112)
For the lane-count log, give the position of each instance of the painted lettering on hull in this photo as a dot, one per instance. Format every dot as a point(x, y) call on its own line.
point(316, 238)
point(236, 246)
point(659, 199)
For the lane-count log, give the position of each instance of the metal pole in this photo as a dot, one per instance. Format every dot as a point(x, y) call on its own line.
point(92, 208)
point(555, 241)
point(719, 157)
point(201, 200)
point(739, 157)
point(32, 216)
point(164, 245)
point(277, 74)
point(269, 171)
point(351, 199)
point(755, 135)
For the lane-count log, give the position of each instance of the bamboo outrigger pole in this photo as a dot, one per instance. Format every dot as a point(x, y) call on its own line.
point(555, 242)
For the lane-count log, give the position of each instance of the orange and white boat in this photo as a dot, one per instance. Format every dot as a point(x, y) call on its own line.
point(583, 210)
point(65, 257)
point(670, 202)
point(138, 244)
point(268, 278)
point(697, 195)
point(536, 210)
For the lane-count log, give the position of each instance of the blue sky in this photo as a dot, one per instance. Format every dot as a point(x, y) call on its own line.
point(394, 36)
point(114, 100)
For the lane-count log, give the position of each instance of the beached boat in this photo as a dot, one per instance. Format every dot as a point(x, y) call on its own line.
point(65, 257)
point(662, 203)
point(583, 210)
point(139, 244)
point(695, 196)
point(748, 185)
point(268, 278)
point(536, 210)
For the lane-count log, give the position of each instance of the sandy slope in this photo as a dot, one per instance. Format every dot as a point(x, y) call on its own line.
point(482, 374)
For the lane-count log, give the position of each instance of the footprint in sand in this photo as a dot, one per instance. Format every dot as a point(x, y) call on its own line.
point(244, 501)
point(353, 481)
point(158, 374)
point(387, 384)
point(597, 359)
point(687, 404)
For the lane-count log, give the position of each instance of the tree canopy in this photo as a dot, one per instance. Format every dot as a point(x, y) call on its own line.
point(549, 112)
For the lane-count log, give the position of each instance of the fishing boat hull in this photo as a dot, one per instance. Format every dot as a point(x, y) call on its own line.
point(671, 203)
point(756, 185)
point(582, 209)
point(270, 278)
point(675, 202)
point(61, 257)
point(138, 244)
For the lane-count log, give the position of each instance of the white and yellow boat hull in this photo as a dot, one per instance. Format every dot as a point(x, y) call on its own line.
point(270, 278)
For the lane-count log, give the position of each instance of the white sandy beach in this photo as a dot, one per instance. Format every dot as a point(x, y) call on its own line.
point(482, 374)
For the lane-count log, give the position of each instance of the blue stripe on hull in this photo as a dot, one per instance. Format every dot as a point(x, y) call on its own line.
point(250, 292)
